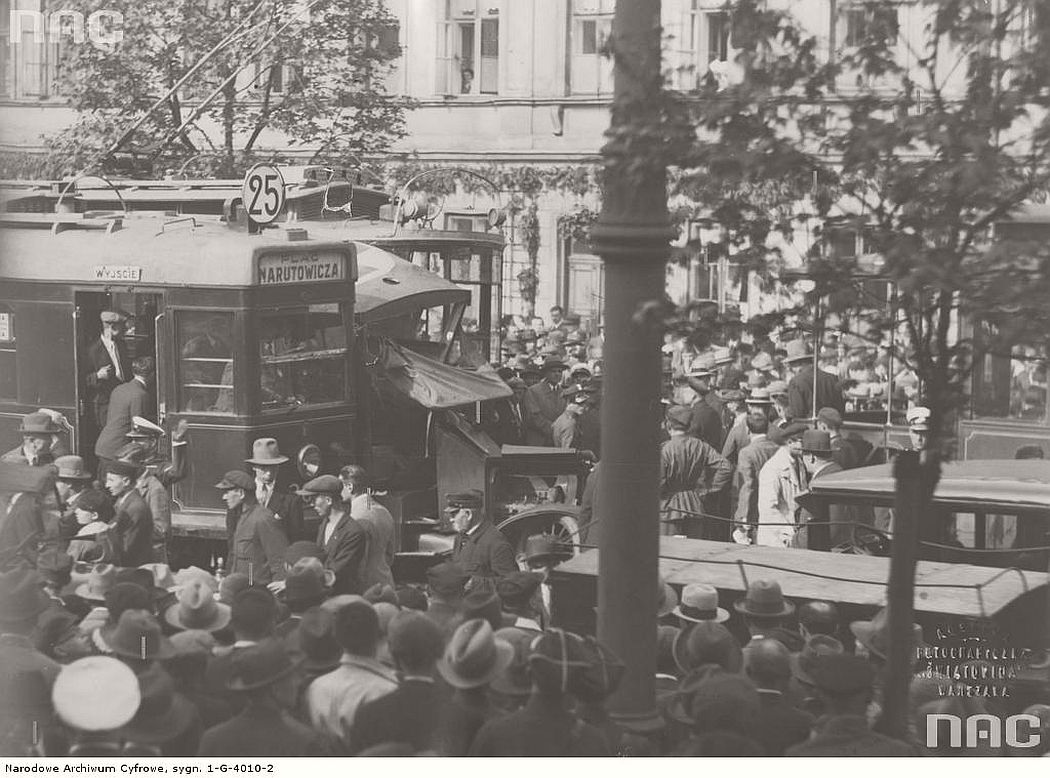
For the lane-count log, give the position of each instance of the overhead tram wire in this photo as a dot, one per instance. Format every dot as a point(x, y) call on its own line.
point(249, 58)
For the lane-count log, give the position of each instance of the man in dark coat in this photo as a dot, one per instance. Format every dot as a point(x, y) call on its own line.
point(749, 463)
point(127, 401)
point(480, 549)
point(843, 451)
point(799, 360)
point(253, 619)
point(543, 404)
point(106, 365)
point(409, 714)
point(132, 522)
point(287, 508)
point(692, 473)
point(37, 431)
point(343, 538)
point(844, 684)
point(265, 676)
point(257, 546)
point(706, 423)
point(767, 662)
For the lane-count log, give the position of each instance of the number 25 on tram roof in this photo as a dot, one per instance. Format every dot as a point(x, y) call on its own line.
point(251, 334)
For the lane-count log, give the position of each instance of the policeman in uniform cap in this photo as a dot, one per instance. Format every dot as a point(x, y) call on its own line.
point(480, 549)
point(918, 426)
point(158, 474)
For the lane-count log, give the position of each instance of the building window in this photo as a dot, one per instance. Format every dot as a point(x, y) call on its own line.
point(263, 74)
point(859, 22)
point(5, 50)
point(468, 48)
point(590, 70)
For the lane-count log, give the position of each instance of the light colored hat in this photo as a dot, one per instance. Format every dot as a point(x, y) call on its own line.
point(71, 468)
point(777, 388)
point(722, 355)
point(797, 351)
point(96, 694)
point(474, 655)
point(198, 609)
point(100, 581)
point(162, 576)
point(763, 362)
point(144, 428)
point(112, 317)
point(918, 418)
point(700, 603)
point(701, 366)
point(265, 452)
point(759, 396)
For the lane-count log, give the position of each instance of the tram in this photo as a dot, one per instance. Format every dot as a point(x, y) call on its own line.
point(315, 332)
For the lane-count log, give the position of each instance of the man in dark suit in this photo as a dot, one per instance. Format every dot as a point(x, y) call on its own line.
point(410, 713)
point(132, 522)
point(768, 663)
point(543, 404)
point(706, 423)
point(832, 522)
point(480, 549)
point(799, 360)
point(287, 508)
point(257, 545)
point(130, 399)
point(344, 540)
point(265, 675)
point(845, 454)
point(253, 618)
point(107, 364)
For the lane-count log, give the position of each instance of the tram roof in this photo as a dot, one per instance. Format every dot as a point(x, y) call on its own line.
point(980, 482)
point(389, 286)
point(186, 251)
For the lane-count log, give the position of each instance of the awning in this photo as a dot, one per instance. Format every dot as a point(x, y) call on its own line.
point(388, 286)
point(433, 384)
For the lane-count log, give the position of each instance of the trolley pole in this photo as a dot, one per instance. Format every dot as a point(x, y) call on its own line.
point(632, 237)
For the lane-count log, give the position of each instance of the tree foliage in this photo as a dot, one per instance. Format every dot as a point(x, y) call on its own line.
point(921, 138)
point(311, 71)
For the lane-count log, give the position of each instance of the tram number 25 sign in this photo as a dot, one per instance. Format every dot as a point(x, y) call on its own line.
point(263, 193)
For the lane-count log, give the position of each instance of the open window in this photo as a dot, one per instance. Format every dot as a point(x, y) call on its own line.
point(302, 356)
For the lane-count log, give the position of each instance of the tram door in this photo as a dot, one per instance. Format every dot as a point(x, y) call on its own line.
point(140, 339)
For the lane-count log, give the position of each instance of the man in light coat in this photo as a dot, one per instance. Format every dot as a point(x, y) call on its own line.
point(378, 523)
point(752, 459)
point(780, 481)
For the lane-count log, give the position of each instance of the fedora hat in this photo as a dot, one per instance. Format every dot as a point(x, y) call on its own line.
point(797, 351)
point(259, 666)
point(759, 396)
point(700, 603)
point(71, 468)
point(22, 595)
point(777, 388)
point(552, 363)
point(542, 550)
point(100, 580)
point(514, 680)
point(162, 714)
point(311, 565)
point(197, 608)
point(38, 424)
point(304, 587)
point(875, 634)
point(764, 599)
point(816, 442)
point(187, 574)
point(314, 638)
point(137, 636)
point(701, 366)
point(705, 643)
point(763, 362)
point(668, 600)
point(77, 699)
point(474, 656)
point(265, 452)
point(803, 662)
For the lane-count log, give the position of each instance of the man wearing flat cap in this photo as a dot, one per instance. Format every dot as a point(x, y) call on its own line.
point(343, 538)
point(543, 404)
point(107, 365)
point(480, 549)
point(257, 545)
point(692, 474)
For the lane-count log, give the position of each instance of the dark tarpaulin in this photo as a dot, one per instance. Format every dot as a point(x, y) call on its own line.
point(433, 384)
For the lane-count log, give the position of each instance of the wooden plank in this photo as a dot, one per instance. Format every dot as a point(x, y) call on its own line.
point(684, 561)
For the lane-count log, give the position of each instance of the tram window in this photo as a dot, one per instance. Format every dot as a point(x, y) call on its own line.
point(8, 374)
point(302, 356)
point(206, 380)
point(470, 269)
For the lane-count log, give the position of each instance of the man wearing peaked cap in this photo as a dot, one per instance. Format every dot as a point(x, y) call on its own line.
point(344, 539)
point(918, 419)
point(692, 474)
point(264, 674)
point(480, 549)
point(543, 404)
point(287, 508)
point(256, 543)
